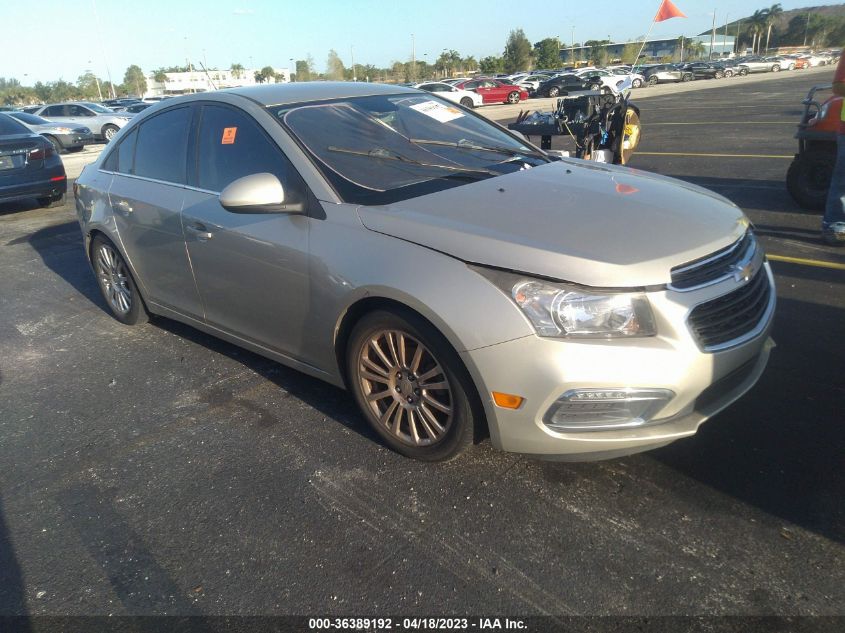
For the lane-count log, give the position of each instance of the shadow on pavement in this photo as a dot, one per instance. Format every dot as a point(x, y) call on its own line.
point(12, 590)
point(766, 195)
point(781, 447)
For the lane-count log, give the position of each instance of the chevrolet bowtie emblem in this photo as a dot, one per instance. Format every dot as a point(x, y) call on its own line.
point(742, 272)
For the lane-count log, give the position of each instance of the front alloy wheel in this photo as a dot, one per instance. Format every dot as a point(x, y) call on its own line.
point(513, 97)
point(410, 385)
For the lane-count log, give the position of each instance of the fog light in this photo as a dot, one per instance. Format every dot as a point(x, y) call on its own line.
point(605, 409)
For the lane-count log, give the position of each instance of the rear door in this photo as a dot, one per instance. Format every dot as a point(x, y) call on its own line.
point(251, 268)
point(146, 195)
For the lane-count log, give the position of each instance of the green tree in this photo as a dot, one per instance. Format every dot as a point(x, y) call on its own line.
point(517, 55)
point(304, 69)
point(160, 75)
point(491, 65)
point(268, 74)
point(756, 25)
point(87, 84)
point(135, 80)
point(334, 66)
point(469, 64)
point(237, 70)
point(547, 53)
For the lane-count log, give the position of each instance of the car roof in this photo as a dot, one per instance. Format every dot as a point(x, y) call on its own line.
point(277, 94)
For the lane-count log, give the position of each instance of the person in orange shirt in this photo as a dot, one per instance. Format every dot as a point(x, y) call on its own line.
point(833, 222)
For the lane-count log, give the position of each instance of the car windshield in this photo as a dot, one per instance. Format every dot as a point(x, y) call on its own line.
point(98, 108)
point(381, 149)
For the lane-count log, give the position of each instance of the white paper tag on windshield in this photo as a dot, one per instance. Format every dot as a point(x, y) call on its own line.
point(438, 111)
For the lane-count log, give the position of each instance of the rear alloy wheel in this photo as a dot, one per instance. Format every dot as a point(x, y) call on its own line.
point(595, 87)
point(513, 97)
point(554, 91)
point(719, 74)
point(729, 73)
point(652, 81)
point(116, 283)
point(637, 83)
point(467, 102)
point(410, 385)
point(52, 203)
point(686, 77)
point(109, 131)
point(775, 68)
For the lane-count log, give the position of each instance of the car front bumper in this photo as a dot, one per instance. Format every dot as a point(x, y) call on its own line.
point(70, 141)
point(541, 370)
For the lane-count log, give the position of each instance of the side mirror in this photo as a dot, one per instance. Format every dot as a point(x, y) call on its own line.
point(258, 193)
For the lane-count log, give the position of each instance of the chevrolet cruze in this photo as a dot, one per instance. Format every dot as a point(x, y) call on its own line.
point(455, 279)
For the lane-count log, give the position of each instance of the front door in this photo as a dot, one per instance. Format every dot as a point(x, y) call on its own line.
point(251, 268)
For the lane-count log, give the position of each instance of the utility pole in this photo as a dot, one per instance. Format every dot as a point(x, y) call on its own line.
point(736, 43)
point(413, 56)
point(572, 50)
point(712, 37)
point(725, 36)
point(352, 55)
point(806, 28)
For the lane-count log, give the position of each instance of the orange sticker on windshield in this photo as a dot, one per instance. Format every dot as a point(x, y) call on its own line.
point(228, 135)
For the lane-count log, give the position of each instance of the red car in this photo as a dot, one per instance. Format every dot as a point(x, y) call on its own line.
point(495, 90)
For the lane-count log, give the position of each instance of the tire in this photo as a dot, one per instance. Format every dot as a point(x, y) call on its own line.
point(719, 75)
point(513, 97)
point(467, 102)
point(686, 77)
point(808, 180)
point(554, 91)
point(729, 73)
point(52, 202)
point(74, 150)
point(109, 131)
point(594, 87)
point(443, 417)
point(637, 83)
point(775, 68)
point(55, 143)
point(653, 80)
point(116, 283)
point(630, 136)
point(744, 72)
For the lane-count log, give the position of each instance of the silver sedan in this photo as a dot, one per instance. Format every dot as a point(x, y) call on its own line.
point(455, 279)
point(102, 122)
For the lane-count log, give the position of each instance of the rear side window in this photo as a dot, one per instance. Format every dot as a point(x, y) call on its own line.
point(232, 145)
point(161, 147)
point(55, 110)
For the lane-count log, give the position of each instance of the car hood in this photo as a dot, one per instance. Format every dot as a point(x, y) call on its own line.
point(591, 224)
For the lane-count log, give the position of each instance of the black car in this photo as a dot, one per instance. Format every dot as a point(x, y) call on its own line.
point(30, 167)
point(564, 84)
point(135, 108)
point(704, 70)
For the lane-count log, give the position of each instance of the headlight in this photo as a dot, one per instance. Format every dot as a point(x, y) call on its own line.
point(560, 310)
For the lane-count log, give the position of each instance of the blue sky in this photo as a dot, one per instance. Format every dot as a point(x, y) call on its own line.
point(65, 41)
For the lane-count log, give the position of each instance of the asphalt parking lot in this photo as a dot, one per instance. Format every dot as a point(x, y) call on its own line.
point(157, 470)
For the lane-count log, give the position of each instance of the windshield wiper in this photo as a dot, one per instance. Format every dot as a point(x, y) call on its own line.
point(385, 154)
point(463, 144)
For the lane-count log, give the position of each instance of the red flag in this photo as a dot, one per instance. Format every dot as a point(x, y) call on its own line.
point(666, 11)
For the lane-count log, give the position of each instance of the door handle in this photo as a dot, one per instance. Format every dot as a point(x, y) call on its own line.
point(123, 206)
point(201, 232)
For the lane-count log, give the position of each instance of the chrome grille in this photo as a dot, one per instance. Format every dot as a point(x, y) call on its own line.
point(724, 321)
point(714, 268)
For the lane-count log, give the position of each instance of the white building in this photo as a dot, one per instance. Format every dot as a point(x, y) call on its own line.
point(199, 81)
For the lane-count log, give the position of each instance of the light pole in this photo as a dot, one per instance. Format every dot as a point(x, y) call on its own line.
point(413, 56)
point(352, 55)
point(292, 65)
point(99, 92)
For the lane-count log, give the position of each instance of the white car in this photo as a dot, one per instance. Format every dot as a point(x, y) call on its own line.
point(464, 97)
point(637, 80)
point(815, 60)
point(610, 82)
point(531, 82)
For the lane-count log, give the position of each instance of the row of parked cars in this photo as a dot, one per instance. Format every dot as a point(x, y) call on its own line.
point(513, 88)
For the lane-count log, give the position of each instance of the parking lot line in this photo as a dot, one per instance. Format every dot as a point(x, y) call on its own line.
point(789, 123)
point(694, 154)
point(806, 262)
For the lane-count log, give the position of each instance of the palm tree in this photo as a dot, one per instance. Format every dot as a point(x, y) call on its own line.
point(772, 14)
point(237, 70)
point(756, 25)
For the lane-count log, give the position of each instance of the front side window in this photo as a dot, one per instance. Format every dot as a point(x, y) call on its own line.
point(160, 151)
point(379, 149)
point(232, 145)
